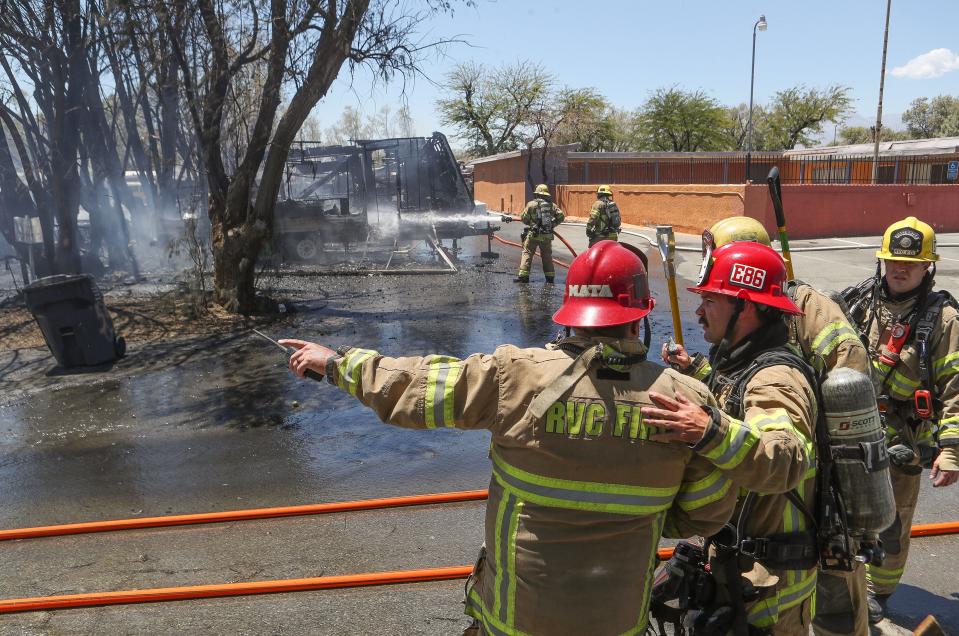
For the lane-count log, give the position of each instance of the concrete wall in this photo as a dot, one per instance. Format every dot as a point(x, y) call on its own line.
point(689, 208)
point(816, 211)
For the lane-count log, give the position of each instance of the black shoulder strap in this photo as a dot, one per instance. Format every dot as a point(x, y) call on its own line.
point(769, 358)
point(928, 318)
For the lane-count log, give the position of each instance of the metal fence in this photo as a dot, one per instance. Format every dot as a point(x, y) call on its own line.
point(794, 169)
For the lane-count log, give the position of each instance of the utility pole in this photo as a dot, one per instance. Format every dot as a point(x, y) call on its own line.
point(882, 81)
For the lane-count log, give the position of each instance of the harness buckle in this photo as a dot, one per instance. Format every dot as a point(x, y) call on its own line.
point(756, 548)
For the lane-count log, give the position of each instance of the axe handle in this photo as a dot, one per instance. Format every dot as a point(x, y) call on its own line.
point(674, 306)
point(776, 194)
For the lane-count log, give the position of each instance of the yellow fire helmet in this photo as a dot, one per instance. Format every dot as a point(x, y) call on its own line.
point(604, 189)
point(909, 240)
point(733, 229)
point(542, 189)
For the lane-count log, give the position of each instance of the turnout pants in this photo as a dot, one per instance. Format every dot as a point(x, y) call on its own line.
point(895, 539)
point(545, 247)
point(841, 603)
point(794, 621)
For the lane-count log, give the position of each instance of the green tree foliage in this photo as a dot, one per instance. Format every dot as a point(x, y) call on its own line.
point(797, 115)
point(938, 117)
point(864, 135)
point(584, 119)
point(488, 107)
point(677, 120)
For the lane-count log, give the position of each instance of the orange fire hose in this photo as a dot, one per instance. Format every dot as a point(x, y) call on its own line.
point(241, 515)
point(921, 530)
point(287, 585)
point(502, 240)
point(231, 589)
point(566, 243)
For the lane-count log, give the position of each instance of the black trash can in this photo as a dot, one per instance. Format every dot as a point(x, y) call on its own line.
point(74, 320)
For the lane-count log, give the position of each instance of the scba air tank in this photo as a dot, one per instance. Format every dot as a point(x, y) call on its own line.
point(859, 451)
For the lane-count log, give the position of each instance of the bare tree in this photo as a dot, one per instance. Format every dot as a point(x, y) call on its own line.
point(42, 44)
point(299, 47)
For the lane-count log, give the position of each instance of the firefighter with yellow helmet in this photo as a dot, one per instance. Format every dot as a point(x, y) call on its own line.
point(580, 494)
point(913, 336)
point(827, 341)
point(762, 436)
point(540, 217)
point(604, 221)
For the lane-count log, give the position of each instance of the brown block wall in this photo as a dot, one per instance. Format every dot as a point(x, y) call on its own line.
point(688, 208)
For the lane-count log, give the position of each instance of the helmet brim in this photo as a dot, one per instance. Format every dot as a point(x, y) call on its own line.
point(782, 303)
point(599, 314)
point(886, 256)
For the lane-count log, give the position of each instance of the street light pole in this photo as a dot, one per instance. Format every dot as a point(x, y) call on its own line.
point(882, 81)
point(761, 25)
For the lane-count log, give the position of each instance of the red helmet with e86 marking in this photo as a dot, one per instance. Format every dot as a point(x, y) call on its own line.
point(747, 270)
point(607, 285)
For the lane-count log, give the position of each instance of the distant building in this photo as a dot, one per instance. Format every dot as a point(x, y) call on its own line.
point(921, 161)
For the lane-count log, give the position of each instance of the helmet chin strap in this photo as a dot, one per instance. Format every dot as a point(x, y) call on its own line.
point(723, 345)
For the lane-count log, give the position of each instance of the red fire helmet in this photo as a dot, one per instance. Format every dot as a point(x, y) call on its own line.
point(607, 285)
point(747, 270)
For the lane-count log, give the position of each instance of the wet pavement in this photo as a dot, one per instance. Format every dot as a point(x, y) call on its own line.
point(220, 424)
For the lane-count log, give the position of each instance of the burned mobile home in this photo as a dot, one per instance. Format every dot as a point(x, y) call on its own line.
point(370, 191)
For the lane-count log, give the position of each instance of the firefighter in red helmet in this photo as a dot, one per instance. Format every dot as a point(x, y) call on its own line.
point(572, 525)
point(762, 437)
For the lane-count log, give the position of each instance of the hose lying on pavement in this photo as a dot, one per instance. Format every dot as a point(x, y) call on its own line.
point(286, 585)
point(240, 515)
point(505, 242)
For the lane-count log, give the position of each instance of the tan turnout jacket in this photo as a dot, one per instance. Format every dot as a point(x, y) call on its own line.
point(901, 381)
point(578, 498)
point(770, 452)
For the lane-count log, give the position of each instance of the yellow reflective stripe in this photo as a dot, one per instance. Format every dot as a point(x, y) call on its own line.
point(643, 618)
point(440, 382)
point(779, 425)
point(766, 612)
point(702, 371)
point(582, 495)
point(478, 610)
point(350, 369)
point(502, 551)
point(511, 565)
point(834, 334)
point(883, 576)
point(898, 383)
point(946, 366)
point(732, 449)
point(696, 494)
point(949, 427)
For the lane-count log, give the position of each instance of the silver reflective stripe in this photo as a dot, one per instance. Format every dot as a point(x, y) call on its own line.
point(691, 499)
point(439, 392)
point(735, 445)
point(504, 553)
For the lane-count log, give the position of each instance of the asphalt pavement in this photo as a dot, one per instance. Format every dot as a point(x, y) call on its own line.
point(220, 424)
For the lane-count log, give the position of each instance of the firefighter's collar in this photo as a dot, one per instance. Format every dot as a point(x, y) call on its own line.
point(632, 349)
point(774, 334)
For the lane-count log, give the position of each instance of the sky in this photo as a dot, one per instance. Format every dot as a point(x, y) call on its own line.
point(627, 49)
